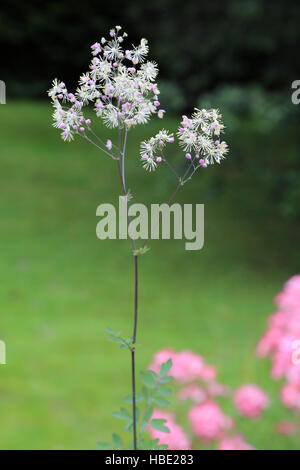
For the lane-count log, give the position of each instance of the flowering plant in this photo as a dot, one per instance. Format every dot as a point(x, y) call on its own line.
point(208, 424)
point(121, 86)
point(281, 342)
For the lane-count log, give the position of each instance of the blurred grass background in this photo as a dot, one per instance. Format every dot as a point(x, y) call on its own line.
point(60, 286)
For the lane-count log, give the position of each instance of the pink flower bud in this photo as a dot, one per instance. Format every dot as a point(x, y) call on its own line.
point(202, 163)
point(158, 159)
point(188, 156)
point(161, 113)
point(88, 122)
point(108, 144)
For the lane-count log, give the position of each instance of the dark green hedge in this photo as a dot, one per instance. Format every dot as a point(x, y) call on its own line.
point(199, 44)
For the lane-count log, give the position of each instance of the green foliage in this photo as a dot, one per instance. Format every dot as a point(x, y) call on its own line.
point(165, 368)
point(153, 393)
point(115, 337)
point(159, 424)
point(142, 250)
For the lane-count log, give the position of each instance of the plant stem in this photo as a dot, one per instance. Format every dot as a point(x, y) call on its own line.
point(133, 350)
point(121, 167)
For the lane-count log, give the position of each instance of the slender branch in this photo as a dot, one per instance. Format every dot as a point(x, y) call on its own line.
point(98, 138)
point(135, 257)
point(123, 157)
point(98, 147)
point(171, 168)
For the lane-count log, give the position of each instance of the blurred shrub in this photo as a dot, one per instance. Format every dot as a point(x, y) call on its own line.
point(198, 45)
point(172, 98)
point(260, 110)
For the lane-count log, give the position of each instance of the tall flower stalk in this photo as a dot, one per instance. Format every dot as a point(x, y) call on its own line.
point(121, 86)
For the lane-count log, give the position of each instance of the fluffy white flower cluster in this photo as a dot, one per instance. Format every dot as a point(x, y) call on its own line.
point(119, 83)
point(152, 149)
point(197, 134)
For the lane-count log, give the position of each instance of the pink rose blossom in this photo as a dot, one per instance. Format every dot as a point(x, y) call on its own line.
point(250, 400)
point(208, 421)
point(234, 443)
point(192, 392)
point(290, 396)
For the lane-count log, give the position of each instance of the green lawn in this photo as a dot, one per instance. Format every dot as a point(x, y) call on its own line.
point(61, 286)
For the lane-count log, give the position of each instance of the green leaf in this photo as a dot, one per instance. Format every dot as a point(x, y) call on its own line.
point(110, 331)
point(122, 414)
point(143, 426)
point(160, 401)
point(141, 251)
point(128, 425)
point(130, 429)
point(154, 443)
point(165, 380)
point(165, 367)
point(117, 441)
point(162, 447)
point(163, 391)
point(103, 446)
point(154, 374)
point(148, 379)
point(143, 445)
point(158, 424)
point(138, 398)
point(148, 414)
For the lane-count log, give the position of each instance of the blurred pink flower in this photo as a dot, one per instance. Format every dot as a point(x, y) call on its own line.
point(290, 396)
point(250, 400)
point(281, 342)
point(187, 366)
point(289, 297)
point(236, 442)
point(176, 439)
point(193, 392)
point(208, 421)
point(285, 427)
